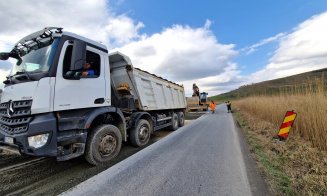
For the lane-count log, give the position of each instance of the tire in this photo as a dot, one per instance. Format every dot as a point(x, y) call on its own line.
point(181, 119)
point(140, 135)
point(174, 120)
point(103, 144)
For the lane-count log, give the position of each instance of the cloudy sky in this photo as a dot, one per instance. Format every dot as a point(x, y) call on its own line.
point(219, 45)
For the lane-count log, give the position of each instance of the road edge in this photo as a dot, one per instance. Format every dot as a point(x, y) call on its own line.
point(256, 179)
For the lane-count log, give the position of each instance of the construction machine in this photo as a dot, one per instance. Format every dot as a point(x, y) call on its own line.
point(198, 101)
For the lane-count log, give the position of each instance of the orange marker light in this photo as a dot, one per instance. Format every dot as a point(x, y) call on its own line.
point(286, 125)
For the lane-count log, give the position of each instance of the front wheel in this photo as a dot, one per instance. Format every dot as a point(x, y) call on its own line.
point(103, 144)
point(140, 135)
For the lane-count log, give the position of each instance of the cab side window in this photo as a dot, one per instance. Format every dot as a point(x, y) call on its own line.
point(91, 68)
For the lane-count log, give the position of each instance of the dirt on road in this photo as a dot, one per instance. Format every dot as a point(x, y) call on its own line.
point(45, 176)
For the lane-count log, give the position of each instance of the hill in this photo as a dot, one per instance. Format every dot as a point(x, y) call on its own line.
point(296, 83)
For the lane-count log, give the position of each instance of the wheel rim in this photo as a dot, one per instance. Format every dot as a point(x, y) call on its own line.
point(143, 133)
point(107, 145)
point(182, 120)
point(176, 121)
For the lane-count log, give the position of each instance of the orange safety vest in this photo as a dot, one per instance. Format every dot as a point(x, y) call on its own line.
point(212, 106)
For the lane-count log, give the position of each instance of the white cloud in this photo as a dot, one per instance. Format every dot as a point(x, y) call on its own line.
point(183, 54)
point(23, 17)
point(208, 24)
point(90, 18)
point(225, 81)
point(305, 49)
point(250, 49)
point(123, 29)
point(3, 74)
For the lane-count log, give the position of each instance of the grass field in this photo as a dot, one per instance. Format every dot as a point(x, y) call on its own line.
point(311, 120)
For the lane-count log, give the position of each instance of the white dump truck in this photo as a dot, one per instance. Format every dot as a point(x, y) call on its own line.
point(53, 105)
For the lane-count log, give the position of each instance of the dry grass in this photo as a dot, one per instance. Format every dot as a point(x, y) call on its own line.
point(292, 167)
point(311, 121)
point(303, 157)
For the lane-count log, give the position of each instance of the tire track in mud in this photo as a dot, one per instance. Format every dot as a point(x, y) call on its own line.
point(8, 159)
point(22, 165)
point(15, 177)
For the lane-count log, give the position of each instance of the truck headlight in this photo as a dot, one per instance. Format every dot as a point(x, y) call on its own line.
point(38, 141)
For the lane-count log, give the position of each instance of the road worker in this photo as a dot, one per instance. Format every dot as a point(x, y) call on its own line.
point(229, 107)
point(212, 106)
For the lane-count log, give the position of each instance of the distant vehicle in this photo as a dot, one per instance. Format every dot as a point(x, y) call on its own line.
point(54, 105)
point(196, 103)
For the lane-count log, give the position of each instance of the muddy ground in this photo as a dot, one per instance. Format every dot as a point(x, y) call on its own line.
point(45, 176)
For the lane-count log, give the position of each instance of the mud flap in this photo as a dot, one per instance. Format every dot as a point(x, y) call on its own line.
point(76, 150)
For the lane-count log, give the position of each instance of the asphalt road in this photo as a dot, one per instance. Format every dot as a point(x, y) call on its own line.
point(206, 157)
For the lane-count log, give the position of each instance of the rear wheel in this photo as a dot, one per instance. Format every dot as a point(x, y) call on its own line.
point(174, 121)
point(181, 119)
point(103, 144)
point(140, 135)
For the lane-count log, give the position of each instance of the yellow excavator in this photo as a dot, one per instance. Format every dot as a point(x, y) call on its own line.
point(198, 101)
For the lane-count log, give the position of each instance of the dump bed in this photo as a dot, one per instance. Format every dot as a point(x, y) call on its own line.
point(147, 91)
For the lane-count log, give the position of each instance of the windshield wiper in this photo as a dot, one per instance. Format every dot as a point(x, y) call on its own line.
point(8, 80)
point(21, 73)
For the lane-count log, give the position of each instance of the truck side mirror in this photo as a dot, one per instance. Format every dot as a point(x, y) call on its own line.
point(4, 56)
point(78, 56)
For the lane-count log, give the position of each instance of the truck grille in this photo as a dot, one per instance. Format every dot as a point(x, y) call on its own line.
point(15, 116)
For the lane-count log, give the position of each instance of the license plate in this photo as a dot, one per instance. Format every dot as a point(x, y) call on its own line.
point(9, 140)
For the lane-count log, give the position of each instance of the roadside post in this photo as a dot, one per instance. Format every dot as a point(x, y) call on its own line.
point(286, 125)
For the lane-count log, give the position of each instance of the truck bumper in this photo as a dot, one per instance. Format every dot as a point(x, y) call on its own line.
point(41, 124)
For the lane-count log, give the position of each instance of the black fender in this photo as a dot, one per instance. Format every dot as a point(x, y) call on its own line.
point(83, 118)
point(135, 118)
point(105, 110)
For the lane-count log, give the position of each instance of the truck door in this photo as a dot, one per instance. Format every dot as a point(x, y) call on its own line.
point(89, 91)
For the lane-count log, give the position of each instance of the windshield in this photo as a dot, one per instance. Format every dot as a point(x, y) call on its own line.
point(203, 96)
point(38, 60)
